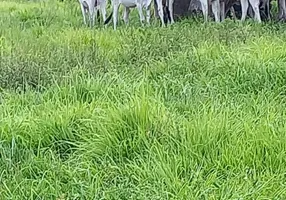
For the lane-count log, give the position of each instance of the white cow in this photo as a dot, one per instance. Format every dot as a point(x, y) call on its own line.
point(139, 4)
point(90, 7)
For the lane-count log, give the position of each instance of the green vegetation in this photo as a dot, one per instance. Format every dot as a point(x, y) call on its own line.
point(191, 111)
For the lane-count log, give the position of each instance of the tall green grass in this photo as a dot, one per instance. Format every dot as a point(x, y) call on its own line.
point(191, 111)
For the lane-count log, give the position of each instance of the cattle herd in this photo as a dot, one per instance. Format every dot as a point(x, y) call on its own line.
point(164, 9)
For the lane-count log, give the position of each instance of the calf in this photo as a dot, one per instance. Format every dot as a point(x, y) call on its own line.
point(90, 7)
point(139, 4)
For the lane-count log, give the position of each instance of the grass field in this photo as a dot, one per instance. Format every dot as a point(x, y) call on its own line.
point(191, 111)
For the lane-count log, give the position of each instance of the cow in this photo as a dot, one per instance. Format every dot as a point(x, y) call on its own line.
point(260, 9)
point(91, 7)
point(139, 4)
point(233, 7)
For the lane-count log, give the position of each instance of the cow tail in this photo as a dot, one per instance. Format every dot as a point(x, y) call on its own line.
point(108, 18)
point(98, 16)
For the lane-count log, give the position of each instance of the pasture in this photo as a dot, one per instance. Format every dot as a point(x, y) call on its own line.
point(191, 111)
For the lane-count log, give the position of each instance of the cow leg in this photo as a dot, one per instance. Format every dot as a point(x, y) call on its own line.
point(89, 12)
point(103, 10)
point(156, 14)
point(126, 15)
point(93, 15)
point(280, 10)
point(123, 13)
point(140, 11)
point(250, 12)
point(148, 14)
point(160, 11)
point(204, 4)
point(284, 9)
point(83, 13)
point(216, 10)
point(222, 11)
point(267, 9)
point(255, 7)
point(244, 7)
point(171, 9)
point(115, 14)
point(233, 12)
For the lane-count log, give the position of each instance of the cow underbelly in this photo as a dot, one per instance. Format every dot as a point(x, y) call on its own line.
point(128, 3)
